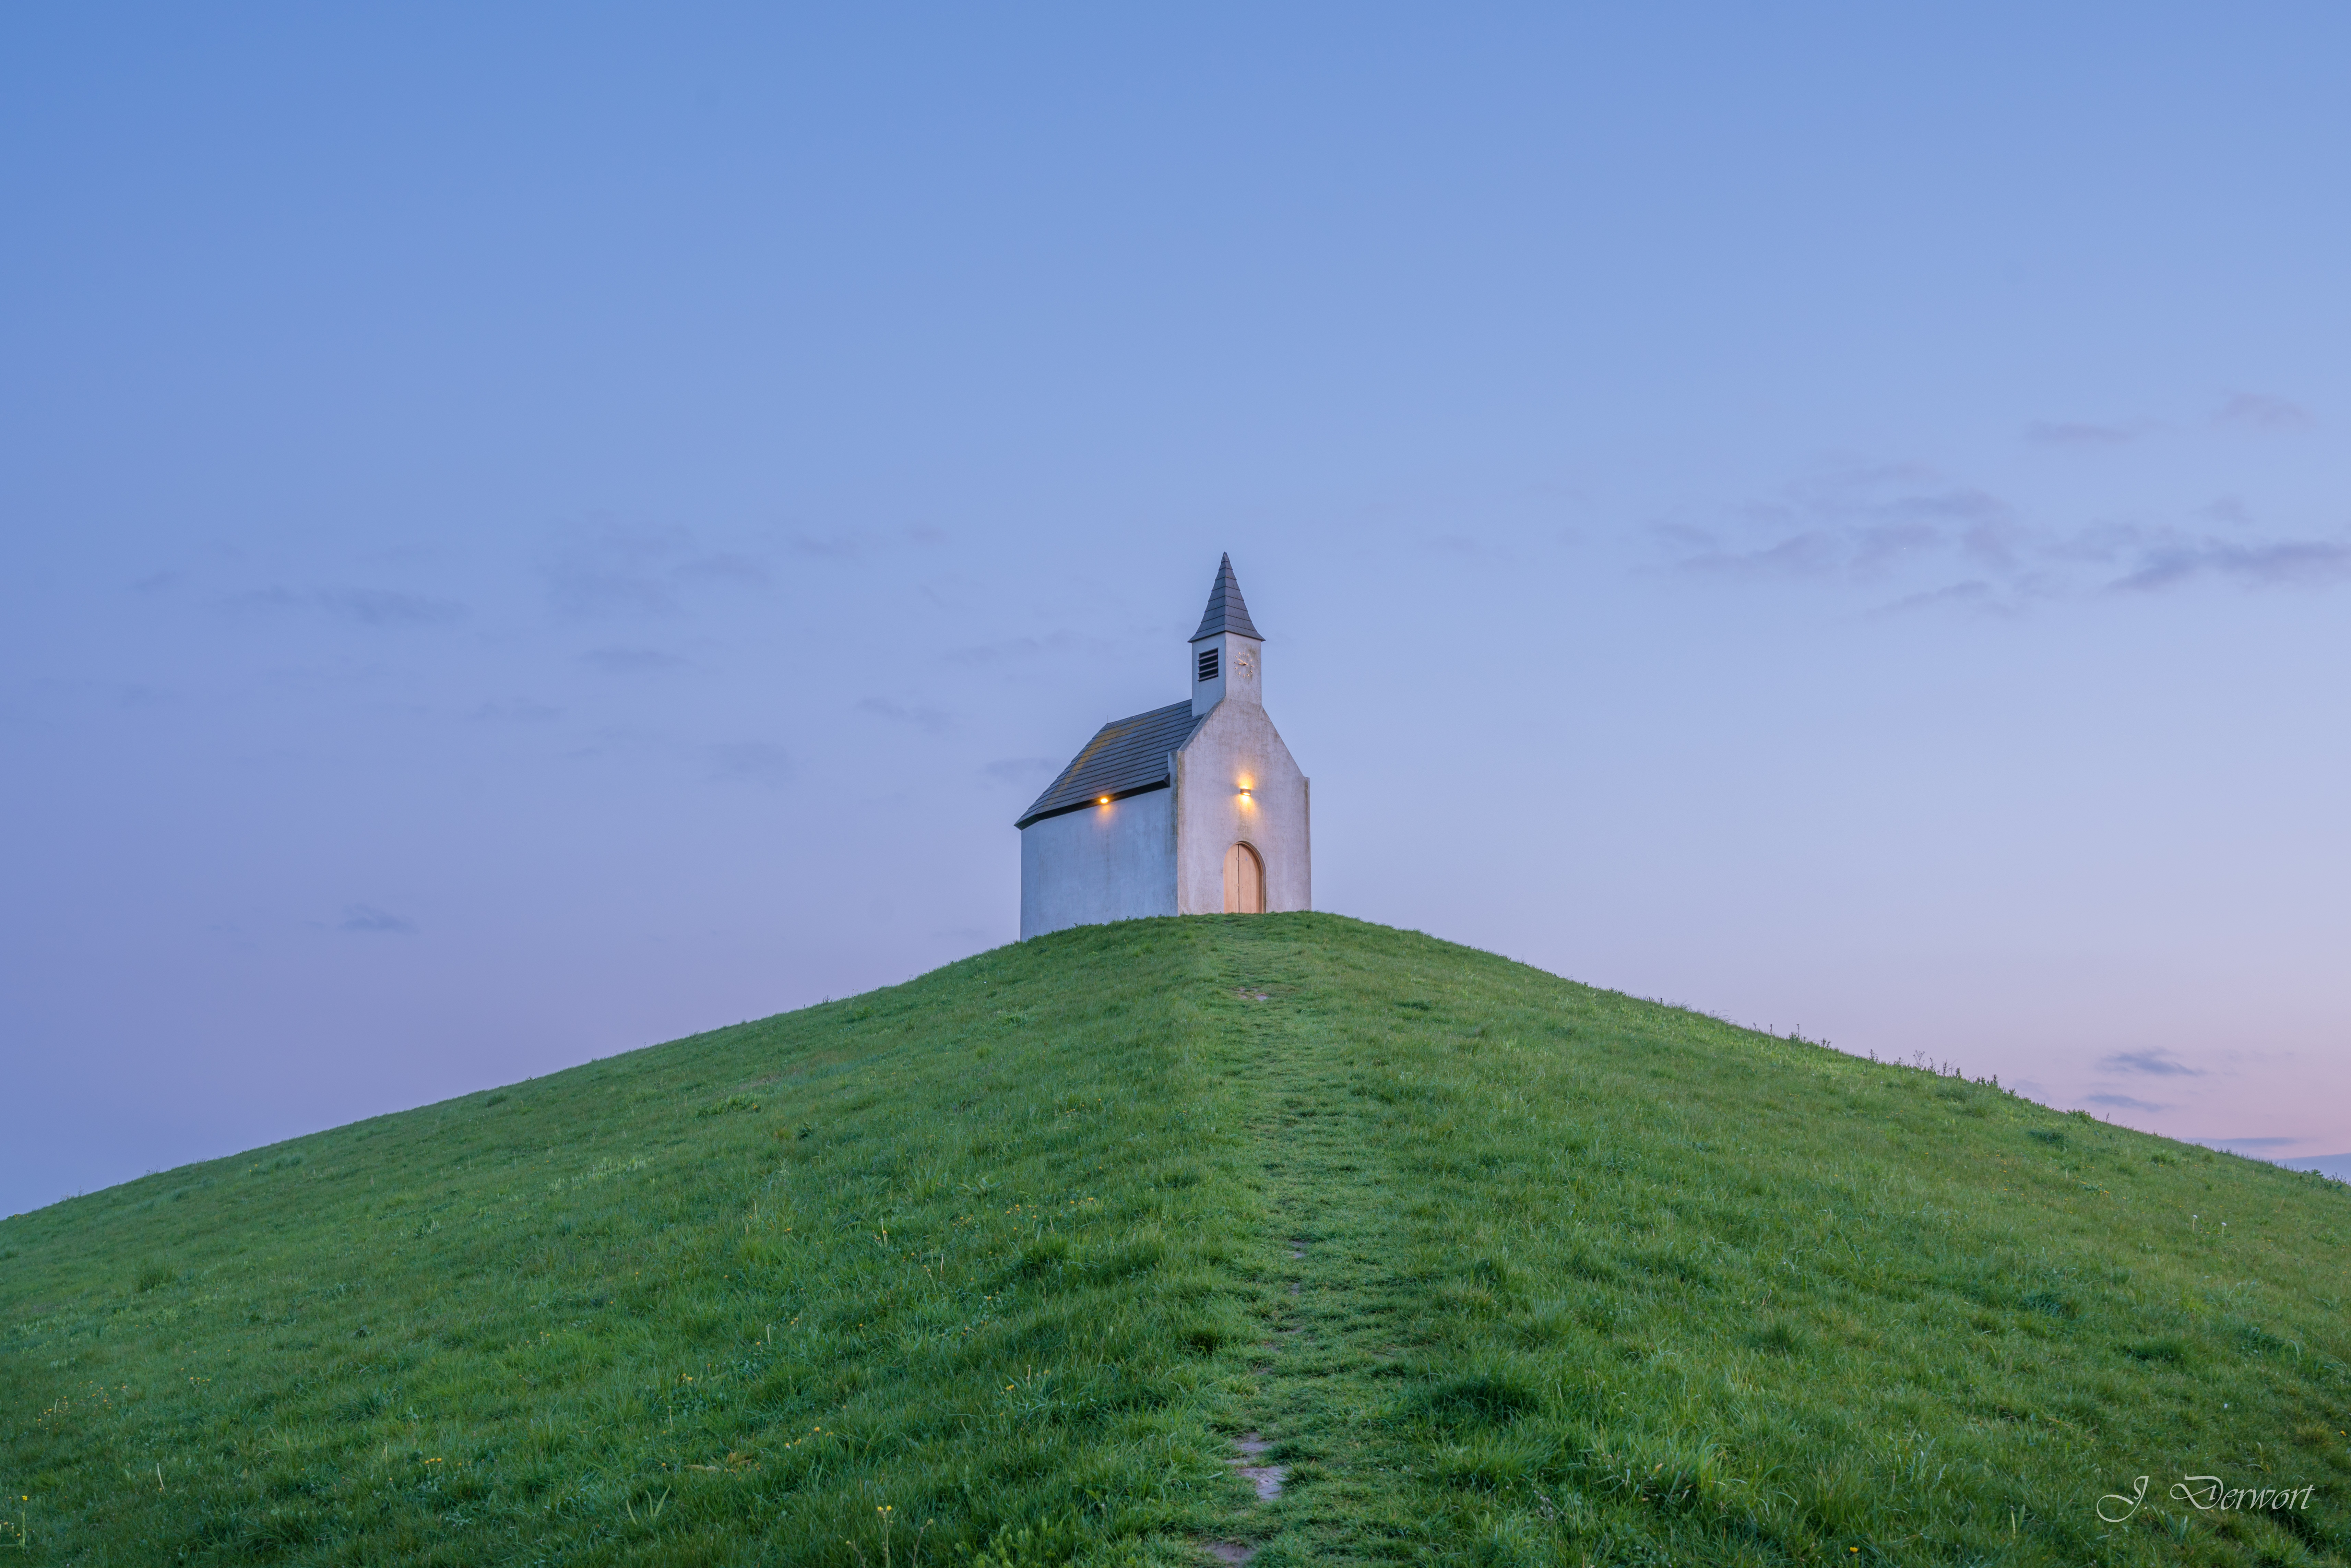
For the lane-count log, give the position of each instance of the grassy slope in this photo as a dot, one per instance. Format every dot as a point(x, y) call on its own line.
point(1509, 1270)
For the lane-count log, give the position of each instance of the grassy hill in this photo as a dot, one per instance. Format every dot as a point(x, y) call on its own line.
point(1022, 1262)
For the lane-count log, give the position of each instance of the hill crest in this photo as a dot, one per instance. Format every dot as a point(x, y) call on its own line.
point(1008, 1259)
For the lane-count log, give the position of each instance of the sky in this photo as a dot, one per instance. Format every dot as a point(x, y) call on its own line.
point(529, 531)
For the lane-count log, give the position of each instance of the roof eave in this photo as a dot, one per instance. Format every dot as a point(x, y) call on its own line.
point(1095, 800)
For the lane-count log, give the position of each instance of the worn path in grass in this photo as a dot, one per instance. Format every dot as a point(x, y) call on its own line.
point(1359, 1293)
point(1329, 1320)
point(1329, 1413)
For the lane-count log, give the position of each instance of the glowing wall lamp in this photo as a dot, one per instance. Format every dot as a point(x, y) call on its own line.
point(1102, 802)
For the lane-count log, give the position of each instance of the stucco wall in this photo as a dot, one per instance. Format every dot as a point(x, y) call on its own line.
point(1102, 863)
point(1236, 749)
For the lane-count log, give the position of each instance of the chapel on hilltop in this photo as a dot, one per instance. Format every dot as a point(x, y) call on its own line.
point(1192, 808)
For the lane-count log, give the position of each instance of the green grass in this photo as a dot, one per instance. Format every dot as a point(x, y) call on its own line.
point(997, 1265)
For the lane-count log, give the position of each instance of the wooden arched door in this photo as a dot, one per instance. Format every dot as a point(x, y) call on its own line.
point(1243, 881)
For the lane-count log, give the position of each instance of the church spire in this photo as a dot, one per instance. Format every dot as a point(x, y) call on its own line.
point(1226, 610)
point(1227, 649)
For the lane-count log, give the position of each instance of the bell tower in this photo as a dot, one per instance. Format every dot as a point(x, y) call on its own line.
point(1228, 651)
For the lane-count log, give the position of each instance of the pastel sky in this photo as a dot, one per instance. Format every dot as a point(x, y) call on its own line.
point(530, 531)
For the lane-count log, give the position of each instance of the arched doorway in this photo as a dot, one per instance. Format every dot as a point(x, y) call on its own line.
point(1243, 881)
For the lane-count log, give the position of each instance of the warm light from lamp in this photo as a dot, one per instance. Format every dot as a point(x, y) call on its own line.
point(1103, 801)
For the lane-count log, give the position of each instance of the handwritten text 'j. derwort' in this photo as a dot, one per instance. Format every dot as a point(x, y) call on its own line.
point(2205, 1492)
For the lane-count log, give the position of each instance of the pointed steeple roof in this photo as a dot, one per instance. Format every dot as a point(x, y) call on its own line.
point(1226, 612)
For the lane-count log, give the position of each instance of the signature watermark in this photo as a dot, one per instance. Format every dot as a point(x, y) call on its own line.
point(2206, 1493)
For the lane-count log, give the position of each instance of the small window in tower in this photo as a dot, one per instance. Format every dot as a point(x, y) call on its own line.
point(1208, 665)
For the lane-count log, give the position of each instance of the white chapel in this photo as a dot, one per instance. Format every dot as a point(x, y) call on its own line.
point(1191, 808)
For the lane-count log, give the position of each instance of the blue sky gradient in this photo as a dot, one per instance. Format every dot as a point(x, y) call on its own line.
point(525, 534)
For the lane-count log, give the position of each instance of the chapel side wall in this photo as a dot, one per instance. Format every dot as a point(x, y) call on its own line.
point(1236, 744)
point(1099, 864)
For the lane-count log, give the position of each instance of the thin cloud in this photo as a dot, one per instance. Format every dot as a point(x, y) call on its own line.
point(1976, 595)
point(629, 661)
point(2106, 545)
point(752, 762)
point(726, 567)
point(389, 607)
point(380, 606)
point(2078, 433)
point(1015, 649)
point(2154, 1063)
point(921, 715)
point(2279, 564)
point(843, 547)
point(367, 920)
point(850, 546)
point(2253, 411)
point(2122, 1103)
point(1812, 554)
point(521, 710)
point(1947, 544)
point(610, 570)
point(1857, 524)
point(254, 601)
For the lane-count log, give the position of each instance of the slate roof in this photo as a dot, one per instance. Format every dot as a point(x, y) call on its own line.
point(1226, 612)
point(1127, 757)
